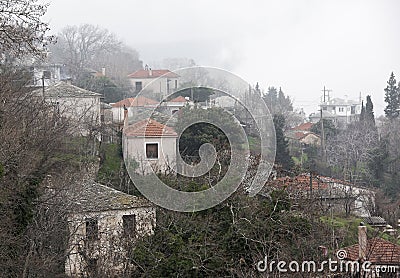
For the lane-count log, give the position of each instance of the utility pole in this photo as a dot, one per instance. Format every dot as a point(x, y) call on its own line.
point(322, 137)
point(326, 94)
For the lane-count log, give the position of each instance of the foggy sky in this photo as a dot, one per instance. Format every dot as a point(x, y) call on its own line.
point(348, 46)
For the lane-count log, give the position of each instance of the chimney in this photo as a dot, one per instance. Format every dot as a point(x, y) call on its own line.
point(362, 241)
point(150, 72)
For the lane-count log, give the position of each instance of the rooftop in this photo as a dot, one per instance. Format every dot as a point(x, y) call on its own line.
point(92, 196)
point(375, 220)
point(303, 127)
point(178, 99)
point(341, 101)
point(137, 102)
point(64, 89)
point(149, 128)
point(149, 73)
point(379, 251)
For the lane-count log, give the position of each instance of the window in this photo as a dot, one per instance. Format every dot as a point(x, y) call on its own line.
point(176, 84)
point(152, 150)
point(138, 86)
point(92, 229)
point(129, 224)
point(341, 109)
point(325, 108)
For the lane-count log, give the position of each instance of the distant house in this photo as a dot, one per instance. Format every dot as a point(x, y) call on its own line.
point(343, 111)
point(130, 104)
point(160, 82)
point(301, 136)
point(174, 105)
point(48, 74)
point(383, 256)
point(103, 224)
point(81, 107)
point(152, 145)
point(332, 194)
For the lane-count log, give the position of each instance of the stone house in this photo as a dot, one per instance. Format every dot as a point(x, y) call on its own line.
point(103, 225)
point(80, 107)
point(152, 145)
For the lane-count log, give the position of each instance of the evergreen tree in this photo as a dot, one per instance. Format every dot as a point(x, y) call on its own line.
point(282, 147)
point(369, 117)
point(362, 114)
point(392, 97)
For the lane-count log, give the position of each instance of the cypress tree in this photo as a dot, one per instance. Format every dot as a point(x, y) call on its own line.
point(369, 112)
point(362, 114)
point(392, 98)
point(282, 146)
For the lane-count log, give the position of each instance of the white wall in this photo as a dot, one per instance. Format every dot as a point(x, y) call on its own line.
point(159, 85)
point(135, 147)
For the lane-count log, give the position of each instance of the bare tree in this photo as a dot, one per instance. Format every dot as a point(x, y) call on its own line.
point(78, 46)
point(351, 151)
point(21, 29)
point(87, 46)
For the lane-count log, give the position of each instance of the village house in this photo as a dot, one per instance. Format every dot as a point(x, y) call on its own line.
point(151, 145)
point(131, 105)
point(331, 194)
point(103, 225)
point(302, 135)
point(383, 256)
point(341, 111)
point(160, 82)
point(44, 75)
point(172, 106)
point(81, 107)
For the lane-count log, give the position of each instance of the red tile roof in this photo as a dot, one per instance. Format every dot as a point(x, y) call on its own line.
point(149, 128)
point(379, 251)
point(303, 127)
point(152, 74)
point(179, 99)
point(137, 101)
point(125, 102)
point(301, 182)
point(300, 135)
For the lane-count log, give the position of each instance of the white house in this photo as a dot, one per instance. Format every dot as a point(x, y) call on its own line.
point(81, 107)
point(341, 111)
point(103, 224)
point(160, 82)
point(152, 145)
point(48, 74)
point(130, 104)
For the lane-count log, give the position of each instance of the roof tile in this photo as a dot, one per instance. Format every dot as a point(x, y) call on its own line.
point(149, 128)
